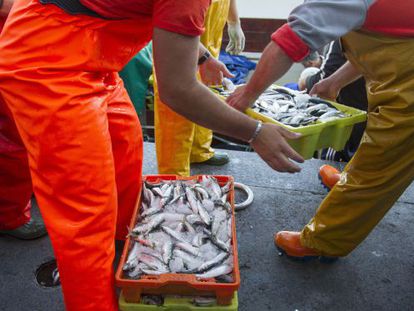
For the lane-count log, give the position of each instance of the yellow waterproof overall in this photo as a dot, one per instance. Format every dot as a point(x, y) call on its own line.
point(179, 141)
point(383, 166)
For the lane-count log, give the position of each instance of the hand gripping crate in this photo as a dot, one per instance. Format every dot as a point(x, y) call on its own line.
point(173, 283)
point(334, 133)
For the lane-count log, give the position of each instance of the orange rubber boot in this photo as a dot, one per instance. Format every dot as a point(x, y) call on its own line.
point(288, 242)
point(329, 176)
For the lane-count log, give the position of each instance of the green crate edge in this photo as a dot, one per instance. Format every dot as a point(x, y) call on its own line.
point(176, 304)
point(334, 133)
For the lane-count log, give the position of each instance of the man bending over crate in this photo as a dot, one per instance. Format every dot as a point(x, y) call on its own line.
point(378, 39)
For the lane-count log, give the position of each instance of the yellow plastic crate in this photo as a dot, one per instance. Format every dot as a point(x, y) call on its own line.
point(334, 133)
point(176, 304)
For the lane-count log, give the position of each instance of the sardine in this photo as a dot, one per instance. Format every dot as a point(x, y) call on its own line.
point(176, 265)
point(215, 272)
point(174, 234)
point(191, 200)
point(213, 262)
point(205, 217)
point(167, 250)
point(187, 247)
point(157, 191)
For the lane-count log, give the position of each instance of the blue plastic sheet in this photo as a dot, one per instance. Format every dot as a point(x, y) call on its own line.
point(292, 86)
point(238, 65)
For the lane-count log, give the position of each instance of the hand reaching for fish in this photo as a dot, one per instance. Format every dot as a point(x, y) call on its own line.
point(272, 147)
point(325, 88)
point(213, 71)
point(240, 100)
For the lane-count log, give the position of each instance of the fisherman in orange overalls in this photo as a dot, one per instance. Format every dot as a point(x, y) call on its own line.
point(58, 77)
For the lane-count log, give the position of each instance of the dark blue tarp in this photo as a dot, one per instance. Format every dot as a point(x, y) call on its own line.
point(238, 65)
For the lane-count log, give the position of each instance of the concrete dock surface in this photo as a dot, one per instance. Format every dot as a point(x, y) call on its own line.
point(378, 275)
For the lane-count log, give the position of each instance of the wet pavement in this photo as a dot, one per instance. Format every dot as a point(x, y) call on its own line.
point(378, 275)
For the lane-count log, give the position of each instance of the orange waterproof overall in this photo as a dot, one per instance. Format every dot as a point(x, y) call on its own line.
point(58, 78)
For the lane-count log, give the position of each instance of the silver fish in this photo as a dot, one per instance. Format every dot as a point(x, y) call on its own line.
point(187, 247)
point(167, 250)
point(205, 217)
point(176, 265)
point(174, 234)
point(191, 200)
point(148, 195)
point(215, 272)
point(213, 262)
point(152, 262)
point(157, 191)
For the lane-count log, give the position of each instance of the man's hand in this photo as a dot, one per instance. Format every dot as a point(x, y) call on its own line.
point(272, 147)
point(237, 39)
point(325, 89)
point(329, 88)
point(240, 99)
point(213, 71)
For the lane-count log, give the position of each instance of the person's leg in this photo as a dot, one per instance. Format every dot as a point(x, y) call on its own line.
point(383, 166)
point(214, 24)
point(71, 163)
point(127, 147)
point(379, 172)
point(59, 101)
point(201, 150)
point(15, 181)
point(174, 136)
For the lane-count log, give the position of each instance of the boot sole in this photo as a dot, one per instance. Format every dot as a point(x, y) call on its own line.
point(322, 259)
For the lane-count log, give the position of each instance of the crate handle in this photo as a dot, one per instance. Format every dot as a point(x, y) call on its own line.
point(177, 278)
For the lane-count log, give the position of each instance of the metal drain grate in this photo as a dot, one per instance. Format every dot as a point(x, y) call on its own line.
point(47, 275)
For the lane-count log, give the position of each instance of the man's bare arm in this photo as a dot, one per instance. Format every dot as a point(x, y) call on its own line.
point(179, 88)
point(175, 58)
point(272, 65)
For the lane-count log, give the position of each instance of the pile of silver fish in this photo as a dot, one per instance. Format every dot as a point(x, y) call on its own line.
point(294, 108)
point(185, 226)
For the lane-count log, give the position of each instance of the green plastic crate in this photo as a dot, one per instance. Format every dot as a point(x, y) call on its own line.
point(334, 133)
point(176, 304)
